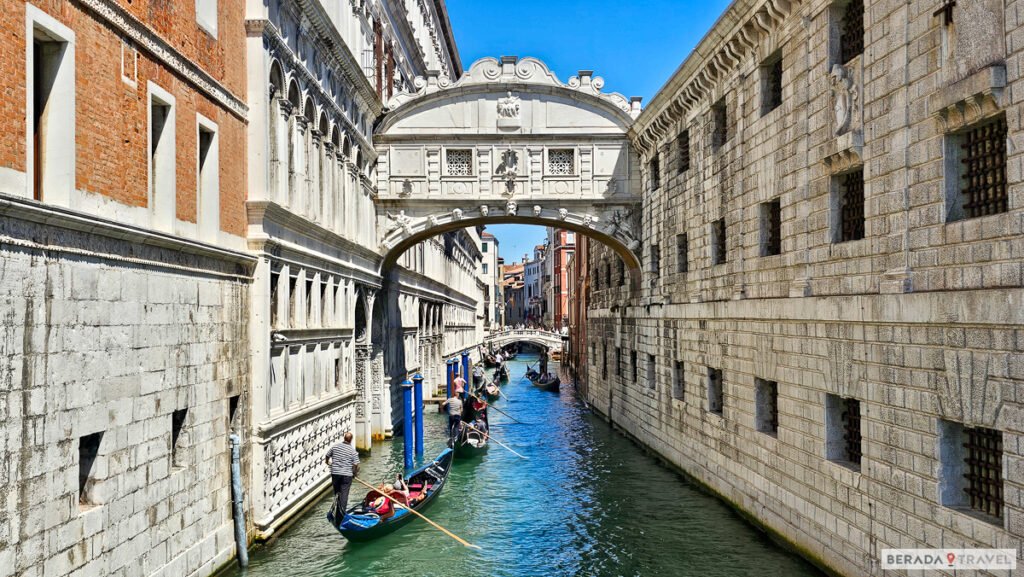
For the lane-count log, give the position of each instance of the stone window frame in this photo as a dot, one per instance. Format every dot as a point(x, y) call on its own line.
point(837, 12)
point(59, 177)
point(634, 365)
point(682, 253)
point(654, 258)
point(573, 150)
point(207, 181)
point(836, 420)
point(953, 168)
point(206, 16)
point(447, 173)
point(683, 151)
point(954, 484)
point(836, 198)
point(719, 120)
point(618, 361)
point(654, 171)
point(179, 445)
point(652, 371)
point(162, 178)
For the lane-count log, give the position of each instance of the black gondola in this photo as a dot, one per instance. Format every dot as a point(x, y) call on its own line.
point(425, 484)
point(470, 442)
point(550, 384)
point(501, 373)
point(532, 374)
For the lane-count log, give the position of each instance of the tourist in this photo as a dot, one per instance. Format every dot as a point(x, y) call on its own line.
point(343, 459)
point(454, 404)
point(401, 487)
point(460, 384)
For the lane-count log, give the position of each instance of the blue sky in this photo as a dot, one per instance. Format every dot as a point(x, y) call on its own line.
point(634, 46)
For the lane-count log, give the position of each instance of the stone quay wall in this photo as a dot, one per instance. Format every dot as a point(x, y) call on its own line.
point(833, 379)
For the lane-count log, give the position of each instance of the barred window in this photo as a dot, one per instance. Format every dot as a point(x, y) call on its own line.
point(716, 397)
point(848, 206)
point(718, 244)
point(971, 475)
point(682, 253)
point(655, 258)
point(561, 161)
point(981, 169)
point(851, 35)
point(719, 124)
point(767, 406)
point(842, 424)
point(459, 162)
point(654, 168)
point(771, 228)
point(684, 151)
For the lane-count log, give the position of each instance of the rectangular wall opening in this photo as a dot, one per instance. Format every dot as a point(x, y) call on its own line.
point(652, 372)
point(234, 415)
point(633, 366)
point(683, 143)
point(842, 431)
point(847, 206)
point(771, 83)
point(771, 228)
point(50, 109)
point(766, 404)
point(678, 381)
point(716, 395)
point(718, 242)
point(975, 170)
point(178, 438)
point(682, 253)
point(162, 173)
point(208, 179)
point(88, 450)
point(971, 473)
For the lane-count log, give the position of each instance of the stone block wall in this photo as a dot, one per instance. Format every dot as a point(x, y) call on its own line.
point(918, 321)
point(113, 340)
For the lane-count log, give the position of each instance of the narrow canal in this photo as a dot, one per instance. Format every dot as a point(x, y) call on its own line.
point(586, 502)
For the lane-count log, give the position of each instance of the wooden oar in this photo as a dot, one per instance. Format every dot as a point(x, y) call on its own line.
point(489, 436)
point(506, 414)
point(420, 515)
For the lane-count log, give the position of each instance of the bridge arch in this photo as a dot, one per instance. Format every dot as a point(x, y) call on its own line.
point(508, 143)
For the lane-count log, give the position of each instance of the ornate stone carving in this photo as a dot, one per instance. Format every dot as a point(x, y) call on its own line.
point(563, 213)
point(844, 97)
point(511, 208)
point(457, 214)
point(537, 210)
point(433, 220)
point(589, 220)
point(619, 226)
point(400, 221)
point(406, 191)
point(484, 210)
point(509, 107)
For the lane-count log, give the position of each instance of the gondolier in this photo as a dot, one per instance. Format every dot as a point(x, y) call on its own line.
point(343, 459)
point(454, 404)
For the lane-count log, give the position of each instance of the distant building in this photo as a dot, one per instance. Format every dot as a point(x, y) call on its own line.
point(561, 246)
point(490, 275)
point(533, 281)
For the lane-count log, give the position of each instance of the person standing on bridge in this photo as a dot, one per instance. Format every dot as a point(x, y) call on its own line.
point(343, 459)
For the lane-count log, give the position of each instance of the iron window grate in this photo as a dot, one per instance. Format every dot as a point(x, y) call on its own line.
point(684, 151)
point(984, 169)
point(460, 162)
point(851, 431)
point(851, 39)
point(851, 210)
point(984, 474)
point(561, 161)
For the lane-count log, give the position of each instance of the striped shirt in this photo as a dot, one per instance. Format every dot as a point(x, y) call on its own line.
point(343, 457)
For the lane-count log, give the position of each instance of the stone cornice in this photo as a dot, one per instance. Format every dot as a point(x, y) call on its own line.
point(279, 48)
point(147, 39)
point(733, 37)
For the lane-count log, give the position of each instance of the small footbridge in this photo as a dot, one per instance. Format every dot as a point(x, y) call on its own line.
point(533, 336)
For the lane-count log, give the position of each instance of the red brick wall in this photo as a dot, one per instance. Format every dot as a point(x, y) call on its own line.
point(111, 115)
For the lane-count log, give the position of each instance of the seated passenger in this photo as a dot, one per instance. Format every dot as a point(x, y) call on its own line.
point(382, 505)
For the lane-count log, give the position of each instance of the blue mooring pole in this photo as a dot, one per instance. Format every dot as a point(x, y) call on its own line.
point(407, 432)
point(451, 377)
point(465, 372)
point(418, 393)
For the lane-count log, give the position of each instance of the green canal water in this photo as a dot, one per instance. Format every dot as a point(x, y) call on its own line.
point(586, 502)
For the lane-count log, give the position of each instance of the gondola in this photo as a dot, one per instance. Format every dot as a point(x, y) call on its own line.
point(551, 384)
point(470, 443)
point(501, 373)
point(532, 374)
point(361, 524)
point(491, 392)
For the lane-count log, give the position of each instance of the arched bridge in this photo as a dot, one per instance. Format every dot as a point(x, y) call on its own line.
point(532, 336)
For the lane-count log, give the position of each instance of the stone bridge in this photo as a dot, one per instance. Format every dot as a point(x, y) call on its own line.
point(508, 142)
point(533, 336)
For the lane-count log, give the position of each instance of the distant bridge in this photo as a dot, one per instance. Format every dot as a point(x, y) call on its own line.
point(533, 336)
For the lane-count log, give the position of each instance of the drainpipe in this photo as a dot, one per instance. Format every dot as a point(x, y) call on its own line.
point(238, 497)
point(418, 394)
point(407, 432)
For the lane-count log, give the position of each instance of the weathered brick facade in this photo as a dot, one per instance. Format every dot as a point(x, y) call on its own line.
point(920, 320)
